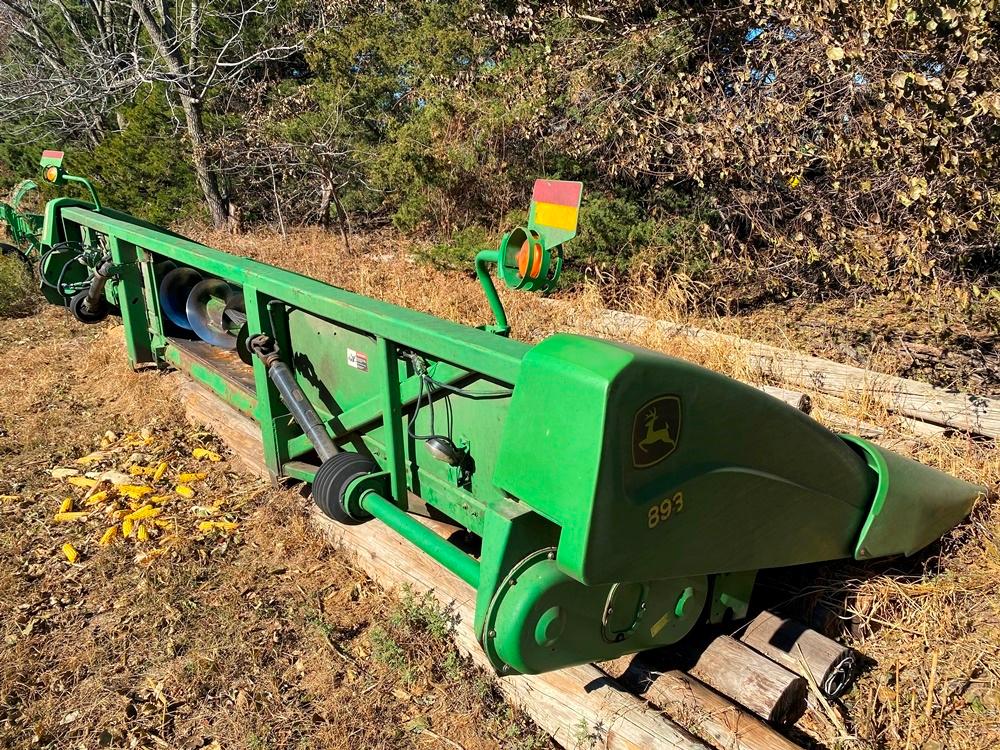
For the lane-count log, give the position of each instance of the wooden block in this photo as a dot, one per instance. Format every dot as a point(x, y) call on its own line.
point(797, 647)
point(696, 706)
point(752, 680)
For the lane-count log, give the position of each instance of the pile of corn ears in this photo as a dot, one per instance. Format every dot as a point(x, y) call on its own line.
point(149, 503)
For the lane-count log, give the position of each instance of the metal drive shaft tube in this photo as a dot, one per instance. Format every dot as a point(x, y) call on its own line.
point(292, 396)
point(97, 284)
point(411, 529)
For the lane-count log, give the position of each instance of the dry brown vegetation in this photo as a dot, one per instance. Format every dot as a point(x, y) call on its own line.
point(253, 635)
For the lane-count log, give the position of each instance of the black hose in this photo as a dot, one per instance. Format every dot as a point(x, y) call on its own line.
point(97, 284)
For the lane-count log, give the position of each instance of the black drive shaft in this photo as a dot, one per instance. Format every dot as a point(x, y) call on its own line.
point(292, 396)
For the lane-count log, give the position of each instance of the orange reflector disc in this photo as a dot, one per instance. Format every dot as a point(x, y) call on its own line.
point(522, 261)
point(51, 174)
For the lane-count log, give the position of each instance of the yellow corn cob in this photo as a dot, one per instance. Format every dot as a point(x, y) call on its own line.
point(69, 517)
point(134, 491)
point(191, 477)
point(164, 524)
point(160, 470)
point(184, 491)
point(66, 506)
point(204, 453)
point(108, 536)
point(127, 527)
point(70, 551)
point(146, 511)
point(142, 533)
point(158, 499)
point(97, 497)
point(82, 482)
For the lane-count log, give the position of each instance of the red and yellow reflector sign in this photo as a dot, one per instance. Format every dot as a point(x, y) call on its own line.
point(51, 163)
point(555, 205)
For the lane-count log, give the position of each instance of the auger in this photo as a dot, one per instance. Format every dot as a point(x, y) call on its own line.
point(619, 497)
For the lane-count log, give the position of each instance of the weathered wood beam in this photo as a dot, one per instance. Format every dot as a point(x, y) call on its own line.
point(798, 647)
point(752, 680)
point(961, 411)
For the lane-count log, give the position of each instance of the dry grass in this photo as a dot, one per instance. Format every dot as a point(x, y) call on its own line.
point(17, 295)
point(259, 636)
point(929, 626)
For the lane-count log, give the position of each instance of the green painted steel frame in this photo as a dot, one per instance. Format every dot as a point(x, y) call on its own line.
point(461, 353)
point(583, 516)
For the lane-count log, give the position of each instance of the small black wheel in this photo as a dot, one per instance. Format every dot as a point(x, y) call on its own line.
point(85, 313)
point(332, 480)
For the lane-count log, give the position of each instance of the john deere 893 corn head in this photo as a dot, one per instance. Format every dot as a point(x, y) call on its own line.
point(621, 497)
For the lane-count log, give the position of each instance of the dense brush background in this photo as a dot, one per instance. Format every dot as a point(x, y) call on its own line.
point(756, 151)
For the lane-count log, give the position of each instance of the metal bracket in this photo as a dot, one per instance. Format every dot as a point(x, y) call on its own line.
point(380, 483)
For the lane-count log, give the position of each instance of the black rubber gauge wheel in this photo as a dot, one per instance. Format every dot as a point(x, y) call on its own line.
point(332, 481)
point(90, 315)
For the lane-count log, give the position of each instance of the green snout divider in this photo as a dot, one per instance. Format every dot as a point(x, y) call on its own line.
point(913, 505)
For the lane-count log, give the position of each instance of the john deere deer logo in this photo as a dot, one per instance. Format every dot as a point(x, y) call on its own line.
point(656, 431)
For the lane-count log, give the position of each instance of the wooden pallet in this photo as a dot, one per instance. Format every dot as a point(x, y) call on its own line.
point(737, 694)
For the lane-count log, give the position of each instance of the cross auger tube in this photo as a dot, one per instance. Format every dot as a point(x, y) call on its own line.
point(621, 497)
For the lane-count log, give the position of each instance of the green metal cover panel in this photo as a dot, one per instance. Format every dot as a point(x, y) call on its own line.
point(657, 468)
point(319, 354)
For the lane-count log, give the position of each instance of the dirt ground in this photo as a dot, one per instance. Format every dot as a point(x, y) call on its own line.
point(227, 622)
point(255, 634)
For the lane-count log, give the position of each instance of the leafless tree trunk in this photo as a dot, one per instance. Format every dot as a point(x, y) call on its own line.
point(120, 46)
point(330, 196)
point(164, 39)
